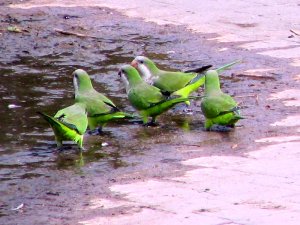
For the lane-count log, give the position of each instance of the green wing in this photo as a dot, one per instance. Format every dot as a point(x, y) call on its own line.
point(173, 81)
point(73, 117)
point(144, 96)
point(96, 103)
point(216, 105)
point(104, 99)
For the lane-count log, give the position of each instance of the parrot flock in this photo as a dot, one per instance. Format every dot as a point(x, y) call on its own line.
point(151, 92)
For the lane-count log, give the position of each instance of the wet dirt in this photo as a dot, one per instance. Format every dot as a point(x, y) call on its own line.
point(35, 69)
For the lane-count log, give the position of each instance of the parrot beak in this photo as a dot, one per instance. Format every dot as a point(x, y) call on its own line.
point(134, 63)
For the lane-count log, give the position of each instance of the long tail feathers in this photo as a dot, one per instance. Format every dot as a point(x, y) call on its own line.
point(227, 66)
point(124, 115)
point(199, 80)
point(51, 120)
point(174, 101)
point(234, 110)
point(59, 128)
point(199, 70)
point(177, 99)
point(193, 86)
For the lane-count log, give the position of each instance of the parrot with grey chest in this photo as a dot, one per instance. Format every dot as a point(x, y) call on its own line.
point(100, 109)
point(169, 82)
point(218, 108)
point(147, 99)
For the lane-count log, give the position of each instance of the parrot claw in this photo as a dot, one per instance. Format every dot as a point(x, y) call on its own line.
point(220, 128)
point(95, 132)
point(81, 149)
point(151, 124)
point(188, 111)
point(136, 121)
point(59, 149)
point(62, 148)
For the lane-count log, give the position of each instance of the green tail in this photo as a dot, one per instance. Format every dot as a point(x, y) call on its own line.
point(124, 115)
point(165, 105)
point(236, 111)
point(62, 131)
point(114, 115)
point(100, 120)
point(199, 80)
point(227, 66)
point(174, 100)
point(193, 86)
point(160, 108)
point(54, 123)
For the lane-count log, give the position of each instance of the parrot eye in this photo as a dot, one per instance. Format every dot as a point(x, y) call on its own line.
point(141, 61)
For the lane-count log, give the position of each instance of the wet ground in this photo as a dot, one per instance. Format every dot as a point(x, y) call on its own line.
point(36, 67)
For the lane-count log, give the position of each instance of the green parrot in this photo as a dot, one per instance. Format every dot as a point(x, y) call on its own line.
point(68, 124)
point(147, 99)
point(100, 109)
point(180, 83)
point(218, 108)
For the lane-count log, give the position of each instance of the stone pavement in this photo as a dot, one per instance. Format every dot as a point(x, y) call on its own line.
point(261, 187)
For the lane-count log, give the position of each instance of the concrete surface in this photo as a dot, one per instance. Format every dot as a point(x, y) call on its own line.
point(261, 187)
point(229, 190)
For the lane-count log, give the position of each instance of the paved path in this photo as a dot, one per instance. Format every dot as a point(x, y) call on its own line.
point(263, 187)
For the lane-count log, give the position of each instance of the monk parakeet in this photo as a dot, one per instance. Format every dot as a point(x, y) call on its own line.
point(147, 99)
point(180, 83)
point(100, 109)
point(168, 81)
point(68, 124)
point(218, 108)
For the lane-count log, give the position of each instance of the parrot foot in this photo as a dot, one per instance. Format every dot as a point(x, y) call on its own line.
point(60, 149)
point(151, 124)
point(136, 121)
point(81, 149)
point(220, 128)
point(188, 111)
point(97, 131)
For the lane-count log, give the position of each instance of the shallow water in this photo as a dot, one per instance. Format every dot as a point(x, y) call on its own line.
point(37, 77)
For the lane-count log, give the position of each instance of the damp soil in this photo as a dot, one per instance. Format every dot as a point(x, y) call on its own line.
point(36, 66)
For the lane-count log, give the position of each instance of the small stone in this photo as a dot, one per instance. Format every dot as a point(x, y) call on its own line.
point(104, 144)
point(13, 106)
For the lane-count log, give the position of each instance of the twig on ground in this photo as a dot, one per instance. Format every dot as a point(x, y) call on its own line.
point(296, 32)
point(244, 96)
point(73, 33)
point(65, 32)
point(256, 100)
point(254, 76)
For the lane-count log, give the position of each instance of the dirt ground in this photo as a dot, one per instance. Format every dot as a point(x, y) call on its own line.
point(144, 175)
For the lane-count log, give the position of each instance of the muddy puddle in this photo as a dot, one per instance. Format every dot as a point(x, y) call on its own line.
point(36, 67)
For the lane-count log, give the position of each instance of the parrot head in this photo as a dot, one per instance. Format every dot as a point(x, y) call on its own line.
point(212, 82)
point(81, 81)
point(145, 66)
point(211, 76)
point(129, 75)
